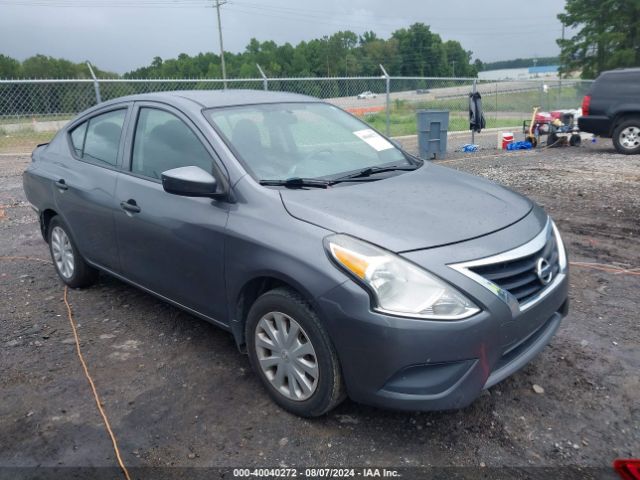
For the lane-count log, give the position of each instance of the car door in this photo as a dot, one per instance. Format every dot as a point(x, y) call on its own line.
point(169, 244)
point(85, 185)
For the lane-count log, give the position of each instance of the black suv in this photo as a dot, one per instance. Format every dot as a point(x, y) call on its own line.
point(611, 109)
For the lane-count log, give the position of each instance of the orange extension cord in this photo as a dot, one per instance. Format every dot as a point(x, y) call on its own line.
point(84, 367)
point(93, 387)
point(595, 266)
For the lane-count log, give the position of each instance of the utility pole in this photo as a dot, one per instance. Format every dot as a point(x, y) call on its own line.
point(387, 78)
point(346, 72)
point(224, 70)
point(453, 68)
point(560, 67)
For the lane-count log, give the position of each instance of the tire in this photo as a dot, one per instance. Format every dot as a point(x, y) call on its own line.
point(626, 136)
point(575, 140)
point(70, 266)
point(552, 140)
point(324, 388)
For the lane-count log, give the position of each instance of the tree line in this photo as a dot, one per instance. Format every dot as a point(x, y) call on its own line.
point(412, 51)
point(42, 66)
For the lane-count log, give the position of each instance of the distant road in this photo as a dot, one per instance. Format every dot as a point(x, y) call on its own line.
point(438, 93)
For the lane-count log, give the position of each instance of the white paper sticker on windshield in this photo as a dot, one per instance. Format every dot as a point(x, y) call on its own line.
point(375, 140)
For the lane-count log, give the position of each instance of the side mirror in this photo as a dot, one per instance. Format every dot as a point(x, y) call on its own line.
point(189, 182)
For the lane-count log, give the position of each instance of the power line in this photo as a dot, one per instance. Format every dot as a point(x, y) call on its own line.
point(285, 13)
point(330, 15)
point(103, 4)
point(115, 3)
point(489, 31)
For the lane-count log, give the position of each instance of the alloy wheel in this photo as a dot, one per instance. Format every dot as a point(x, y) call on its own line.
point(630, 137)
point(62, 252)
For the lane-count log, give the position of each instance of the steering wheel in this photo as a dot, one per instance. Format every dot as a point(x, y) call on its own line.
point(306, 160)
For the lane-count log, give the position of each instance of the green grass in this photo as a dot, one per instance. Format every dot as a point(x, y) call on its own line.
point(405, 123)
point(27, 119)
point(23, 141)
point(500, 111)
point(522, 101)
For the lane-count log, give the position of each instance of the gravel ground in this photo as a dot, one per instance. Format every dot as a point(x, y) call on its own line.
point(179, 394)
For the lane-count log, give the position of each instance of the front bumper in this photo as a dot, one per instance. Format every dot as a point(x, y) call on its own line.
point(413, 364)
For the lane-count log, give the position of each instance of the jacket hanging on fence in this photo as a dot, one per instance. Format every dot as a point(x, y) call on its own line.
point(476, 117)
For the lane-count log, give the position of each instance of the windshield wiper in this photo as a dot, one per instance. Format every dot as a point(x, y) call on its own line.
point(367, 172)
point(296, 182)
point(359, 176)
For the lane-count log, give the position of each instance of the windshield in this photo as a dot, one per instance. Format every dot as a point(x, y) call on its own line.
point(302, 140)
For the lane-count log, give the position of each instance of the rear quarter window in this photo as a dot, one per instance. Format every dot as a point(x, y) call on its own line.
point(77, 138)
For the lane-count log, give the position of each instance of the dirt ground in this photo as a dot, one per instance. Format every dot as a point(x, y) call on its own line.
point(178, 393)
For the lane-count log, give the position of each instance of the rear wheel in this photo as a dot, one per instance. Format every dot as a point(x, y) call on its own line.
point(71, 267)
point(575, 140)
point(292, 354)
point(626, 136)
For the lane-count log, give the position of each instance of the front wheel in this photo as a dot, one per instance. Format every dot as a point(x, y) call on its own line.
point(292, 354)
point(71, 267)
point(626, 136)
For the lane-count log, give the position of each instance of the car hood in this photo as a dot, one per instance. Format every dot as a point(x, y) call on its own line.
point(428, 207)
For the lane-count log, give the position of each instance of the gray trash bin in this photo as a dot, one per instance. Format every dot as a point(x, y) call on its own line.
point(432, 133)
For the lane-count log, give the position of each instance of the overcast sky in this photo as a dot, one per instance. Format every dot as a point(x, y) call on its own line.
point(120, 35)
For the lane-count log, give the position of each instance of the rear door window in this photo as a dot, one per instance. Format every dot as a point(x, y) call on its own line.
point(98, 139)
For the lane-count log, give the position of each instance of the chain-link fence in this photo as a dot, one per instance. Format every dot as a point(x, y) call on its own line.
point(31, 111)
point(506, 105)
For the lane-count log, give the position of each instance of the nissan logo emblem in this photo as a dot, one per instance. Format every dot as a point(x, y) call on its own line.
point(544, 271)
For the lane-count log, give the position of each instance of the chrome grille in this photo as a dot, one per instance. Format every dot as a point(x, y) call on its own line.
point(518, 276)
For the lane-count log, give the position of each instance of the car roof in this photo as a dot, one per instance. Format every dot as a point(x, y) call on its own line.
point(621, 70)
point(216, 98)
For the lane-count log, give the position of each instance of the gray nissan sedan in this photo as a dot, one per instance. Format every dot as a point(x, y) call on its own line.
point(341, 264)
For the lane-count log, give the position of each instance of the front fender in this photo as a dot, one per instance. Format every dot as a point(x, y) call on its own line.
point(263, 240)
point(622, 110)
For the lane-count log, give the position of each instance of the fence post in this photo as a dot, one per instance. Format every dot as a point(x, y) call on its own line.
point(542, 94)
point(96, 84)
point(388, 106)
point(265, 80)
point(496, 108)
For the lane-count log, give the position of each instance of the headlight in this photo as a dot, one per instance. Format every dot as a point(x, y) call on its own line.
point(398, 286)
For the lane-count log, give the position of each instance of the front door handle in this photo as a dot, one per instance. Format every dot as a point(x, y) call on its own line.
point(130, 206)
point(61, 184)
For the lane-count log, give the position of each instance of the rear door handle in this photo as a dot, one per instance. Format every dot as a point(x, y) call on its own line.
point(62, 185)
point(130, 206)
